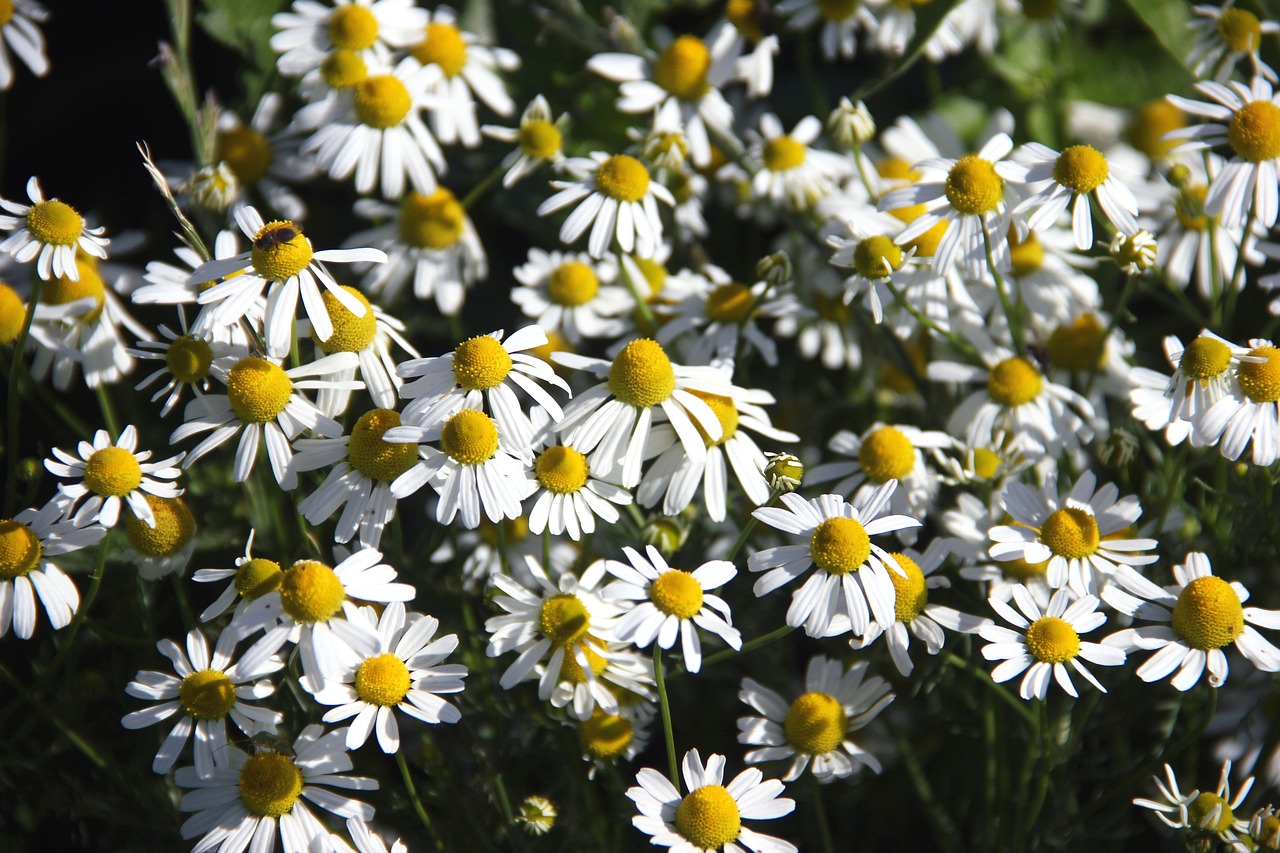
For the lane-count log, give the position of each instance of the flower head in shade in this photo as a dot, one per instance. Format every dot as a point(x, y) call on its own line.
point(1224, 35)
point(1251, 413)
point(108, 476)
point(1202, 376)
point(49, 232)
point(615, 196)
point(22, 36)
point(572, 294)
point(790, 171)
point(538, 140)
point(252, 578)
point(185, 360)
point(1207, 811)
point(27, 541)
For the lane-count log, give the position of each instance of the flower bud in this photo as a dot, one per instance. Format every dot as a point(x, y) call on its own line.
point(214, 187)
point(1134, 253)
point(850, 124)
point(783, 471)
point(537, 815)
point(775, 269)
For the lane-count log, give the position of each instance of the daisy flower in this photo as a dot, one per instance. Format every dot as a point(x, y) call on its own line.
point(262, 157)
point(47, 231)
point(110, 475)
point(372, 29)
point(247, 797)
point(607, 739)
point(186, 360)
point(876, 262)
point(1202, 376)
point(667, 603)
point(789, 171)
point(27, 541)
point(365, 467)
point(1223, 36)
point(968, 524)
point(25, 39)
point(1250, 412)
point(1202, 614)
point(614, 195)
point(568, 498)
point(840, 23)
point(1172, 801)
point(262, 399)
point(572, 294)
point(1210, 812)
point(167, 284)
point(744, 24)
point(709, 817)
point(816, 727)
point(620, 684)
point(252, 578)
point(1046, 641)
point(538, 140)
point(717, 322)
point(1247, 119)
point(204, 691)
point(852, 571)
point(164, 545)
point(400, 670)
point(1070, 177)
point(282, 255)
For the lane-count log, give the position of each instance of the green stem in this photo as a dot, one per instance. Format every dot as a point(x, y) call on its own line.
point(12, 403)
point(1121, 304)
point(650, 324)
point(483, 187)
point(418, 808)
point(985, 677)
point(749, 646)
point(672, 765)
point(1010, 315)
point(820, 808)
point(1046, 766)
point(82, 612)
point(502, 547)
point(48, 714)
point(926, 321)
point(108, 411)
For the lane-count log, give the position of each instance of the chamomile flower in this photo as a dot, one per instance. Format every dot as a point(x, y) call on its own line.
point(164, 544)
point(789, 170)
point(968, 524)
point(840, 23)
point(262, 157)
point(817, 726)
point(875, 260)
point(1203, 614)
point(252, 578)
point(608, 738)
point(572, 294)
point(27, 541)
point(1223, 36)
point(282, 255)
point(360, 482)
point(371, 29)
point(1075, 533)
point(23, 36)
point(186, 360)
point(248, 797)
point(718, 320)
point(568, 498)
point(204, 691)
point(1209, 812)
point(669, 603)
point(401, 669)
point(1202, 376)
point(107, 475)
point(1070, 177)
point(709, 818)
point(616, 197)
point(167, 284)
point(620, 683)
point(1172, 801)
point(48, 231)
point(538, 140)
point(852, 571)
point(1251, 412)
point(1046, 641)
point(262, 399)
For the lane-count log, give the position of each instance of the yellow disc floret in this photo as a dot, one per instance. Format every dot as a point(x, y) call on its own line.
point(1052, 640)
point(54, 223)
point(443, 45)
point(1201, 813)
point(207, 694)
point(1081, 169)
point(730, 303)
point(1240, 30)
point(434, 221)
point(986, 463)
point(1254, 131)
point(539, 138)
point(188, 359)
point(605, 736)
point(1149, 125)
point(245, 151)
point(973, 187)
point(112, 472)
point(382, 101)
point(839, 546)
point(20, 549)
point(1070, 532)
point(61, 290)
point(1204, 358)
point(561, 470)
point(1189, 208)
point(783, 153)
point(174, 527)
point(257, 390)
point(877, 257)
point(12, 314)
point(310, 592)
point(480, 363)
point(350, 333)
point(353, 27)
point(572, 283)
point(343, 69)
point(677, 594)
point(257, 577)
point(1078, 345)
point(1021, 570)
point(837, 10)
point(269, 784)
point(886, 454)
point(280, 250)
point(377, 459)
point(642, 375)
point(682, 68)
point(1025, 255)
point(745, 17)
point(470, 437)
point(382, 680)
point(563, 618)
point(815, 723)
point(911, 593)
point(1260, 380)
point(726, 413)
point(708, 817)
point(1014, 381)
point(896, 169)
point(572, 671)
point(1208, 613)
point(623, 177)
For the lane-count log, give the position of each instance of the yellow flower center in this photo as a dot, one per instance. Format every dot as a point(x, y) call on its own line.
point(370, 455)
point(6, 12)
point(443, 45)
point(623, 177)
point(310, 592)
point(1208, 614)
point(1051, 640)
point(886, 454)
point(257, 577)
point(572, 672)
point(12, 314)
point(572, 283)
point(730, 303)
point(831, 308)
point(973, 187)
point(1254, 131)
point(605, 736)
point(896, 378)
point(1260, 381)
point(561, 470)
point(837, 10)
point(1025, 256)
point(1020, 569)
point(1189, 207)
point(1240, 30)
point(677, 594)
point(877, 257)
point(350, 333)
point(839, 546)
point(175, 525)
point(815, 723)
point(1150, 123)
point(911, 592)
point(1077, 345)
point(564, 619)
point(513, 530)
point(352, 27)
point(245, 151)
point(54, 223)
point(112, 472)
point(343, 69)
point(188, 359)
point(708, 817)
point(20, 549)
point(470, 437)
point(896, 169)
point(382, 101)
point(269, 784)
point(726, 413)
point(382, 680)
point(655, 274)
point(783, 153)
point(745, 17)
point(1204, 358)
point(434, 221)
point(207, 694)
point(61, 290)
point(539, 138)
point(985, 463)
point(480, 363)
point(1080, 168)
point(642, 375)
point(1070, 532)
point(1014, 381)
point(258, 390)
point(1200, 810)
point(926, 245)
point(280, 250)
point(682, 68)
